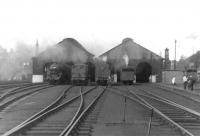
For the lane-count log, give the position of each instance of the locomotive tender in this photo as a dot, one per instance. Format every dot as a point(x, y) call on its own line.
point(102, 72)
point(127, 75)
point(80, 74)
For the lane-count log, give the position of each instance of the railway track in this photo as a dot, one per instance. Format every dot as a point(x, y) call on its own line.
point(180, 117)
point(56, 117)
point(83, 124)
point(173, 95)
point(11, 88)
point(12, 96)
point(185, 93)
point(21, 110)
point(7, 86)
point(158, 123)
point(7, 92)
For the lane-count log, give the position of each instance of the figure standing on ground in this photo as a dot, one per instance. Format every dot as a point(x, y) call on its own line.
point(174, 81)
point(184, 81)
point(190, 82)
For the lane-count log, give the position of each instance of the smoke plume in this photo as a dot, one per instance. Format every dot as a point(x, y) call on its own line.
point(126, 59)
point(193, 36)
point(68, 50)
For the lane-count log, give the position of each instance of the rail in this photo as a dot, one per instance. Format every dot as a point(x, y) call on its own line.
point(17, 90)
point(39, 116)
point(192, 112)
point(72, 128)
point(4, 104)
point(179, 91)
point(53, 104)
point(141, 103)
point(75, 117)
point(182, 130)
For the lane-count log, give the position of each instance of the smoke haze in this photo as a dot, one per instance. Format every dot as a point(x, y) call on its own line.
point(17, 63)
point(68, 50)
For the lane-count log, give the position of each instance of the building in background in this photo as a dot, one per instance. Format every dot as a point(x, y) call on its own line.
point(167, 62)
point(68, 51)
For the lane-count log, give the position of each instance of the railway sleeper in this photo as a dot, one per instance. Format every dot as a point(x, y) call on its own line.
point(43, 133)
point(190, 124)
point(181, 117)
point(85, 128)
point(173, 112)
point(84, 133)
point(183, 120)
point(192, 127)
point(50, 125)
point(51, 129)
point(86, 124)
point(91, 119)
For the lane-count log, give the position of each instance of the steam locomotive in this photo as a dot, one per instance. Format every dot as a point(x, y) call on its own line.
point(59, 73)
point(83, 73)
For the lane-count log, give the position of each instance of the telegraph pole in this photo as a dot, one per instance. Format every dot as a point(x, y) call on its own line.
point(175, 57)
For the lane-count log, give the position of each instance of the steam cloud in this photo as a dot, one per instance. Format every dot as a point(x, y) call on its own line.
point(104, 58)
point(67, 50)
point(126, 59)
point(17, 63)
point(192, 36)
point(58, 54)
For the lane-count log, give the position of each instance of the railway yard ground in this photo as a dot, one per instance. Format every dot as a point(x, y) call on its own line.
point(180, 86)
point(140, 110)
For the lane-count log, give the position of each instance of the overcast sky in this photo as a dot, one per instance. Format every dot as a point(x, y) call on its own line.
point(101, 25)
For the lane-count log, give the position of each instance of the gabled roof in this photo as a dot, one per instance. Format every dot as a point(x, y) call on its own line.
point(65, 50)
point(75, 43)
point(124, 43)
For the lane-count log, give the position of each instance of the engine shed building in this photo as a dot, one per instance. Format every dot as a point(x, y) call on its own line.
point(67, 51)
point(129, 53)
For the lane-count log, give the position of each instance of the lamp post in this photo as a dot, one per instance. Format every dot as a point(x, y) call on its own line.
point(175, 57)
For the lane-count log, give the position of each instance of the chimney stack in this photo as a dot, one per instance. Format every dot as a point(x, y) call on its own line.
point(167, 63)
point(166, 54)
point(36, 49)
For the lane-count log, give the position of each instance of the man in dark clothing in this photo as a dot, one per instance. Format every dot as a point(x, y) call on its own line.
point(191, 83)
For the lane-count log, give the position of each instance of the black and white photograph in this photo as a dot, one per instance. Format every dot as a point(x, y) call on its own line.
point(99, 68)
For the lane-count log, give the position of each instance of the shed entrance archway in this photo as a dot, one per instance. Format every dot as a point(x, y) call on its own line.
point(143, 71)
